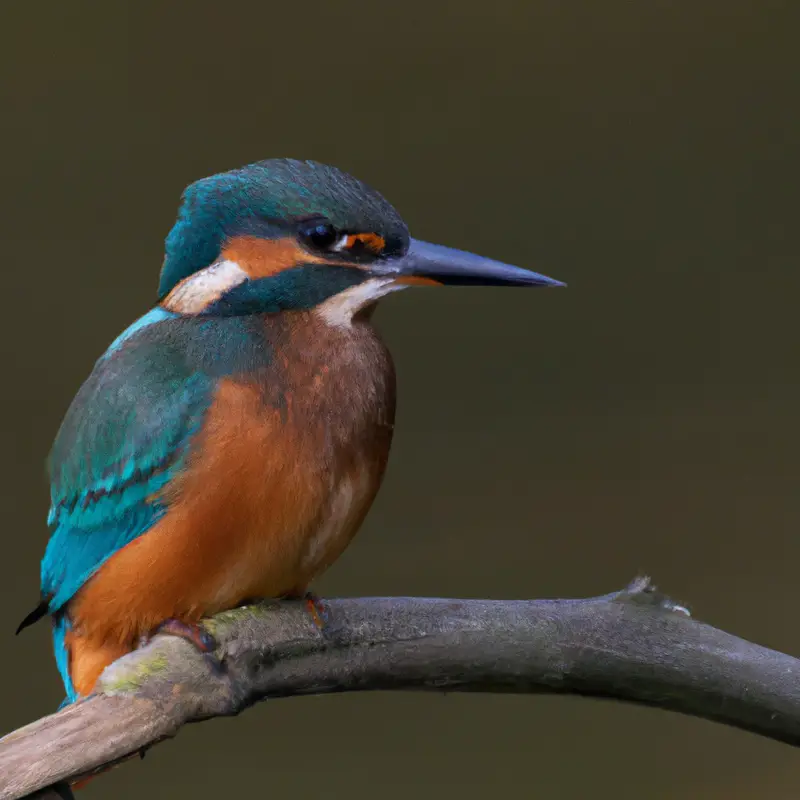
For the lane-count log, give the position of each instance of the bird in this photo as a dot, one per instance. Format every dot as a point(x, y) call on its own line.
point(229, 443)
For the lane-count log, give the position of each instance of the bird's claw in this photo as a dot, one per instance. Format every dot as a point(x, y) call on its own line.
point(317, 610)
point(193, 633)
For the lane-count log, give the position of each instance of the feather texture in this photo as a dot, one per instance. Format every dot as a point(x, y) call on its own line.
point(208, 459)
point(123, 438)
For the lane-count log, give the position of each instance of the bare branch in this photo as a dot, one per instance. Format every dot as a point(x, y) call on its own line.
point(635, 645)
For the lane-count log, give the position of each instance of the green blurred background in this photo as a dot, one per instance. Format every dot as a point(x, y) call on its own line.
point(548, 443)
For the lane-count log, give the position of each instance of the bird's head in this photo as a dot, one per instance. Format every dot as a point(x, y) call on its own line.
point(288, 235)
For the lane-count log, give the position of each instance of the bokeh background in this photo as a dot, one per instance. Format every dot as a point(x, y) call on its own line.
point(548, 443)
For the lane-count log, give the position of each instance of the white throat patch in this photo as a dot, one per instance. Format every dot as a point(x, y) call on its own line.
point(340, 309)
point(198, 291)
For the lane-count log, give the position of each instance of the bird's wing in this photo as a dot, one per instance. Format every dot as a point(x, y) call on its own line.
point(123, 439)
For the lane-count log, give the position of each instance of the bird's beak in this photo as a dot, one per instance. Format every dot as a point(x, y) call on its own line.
point(424, 262)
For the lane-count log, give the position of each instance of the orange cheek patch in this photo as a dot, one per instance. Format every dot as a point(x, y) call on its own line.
point(372, 241)
point(260, 258)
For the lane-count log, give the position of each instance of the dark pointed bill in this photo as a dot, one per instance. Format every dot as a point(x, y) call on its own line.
point(457, 267)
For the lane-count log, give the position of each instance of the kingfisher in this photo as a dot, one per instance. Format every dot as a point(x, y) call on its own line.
point(227, 446)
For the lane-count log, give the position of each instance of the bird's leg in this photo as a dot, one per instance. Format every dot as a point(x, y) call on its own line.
point(315, 606)
point(317, 609)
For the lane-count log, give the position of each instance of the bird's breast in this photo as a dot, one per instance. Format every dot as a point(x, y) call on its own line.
point(289, 460)
point(281, 474)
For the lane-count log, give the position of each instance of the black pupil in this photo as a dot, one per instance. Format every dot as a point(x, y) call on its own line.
point(321, 234)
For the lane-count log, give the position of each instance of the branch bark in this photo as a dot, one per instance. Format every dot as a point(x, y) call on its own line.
point(635, 645)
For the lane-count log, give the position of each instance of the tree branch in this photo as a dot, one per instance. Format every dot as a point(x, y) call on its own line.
point(635, 645)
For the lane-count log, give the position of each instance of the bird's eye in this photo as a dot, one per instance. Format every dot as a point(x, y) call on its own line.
point(319, 234)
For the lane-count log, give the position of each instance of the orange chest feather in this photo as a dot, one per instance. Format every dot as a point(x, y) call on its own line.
point(269, 497)
point(278, 481)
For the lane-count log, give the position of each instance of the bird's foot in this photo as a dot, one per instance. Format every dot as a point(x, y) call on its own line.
point(315, 606)
point(317, 610)
point(191, 632)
